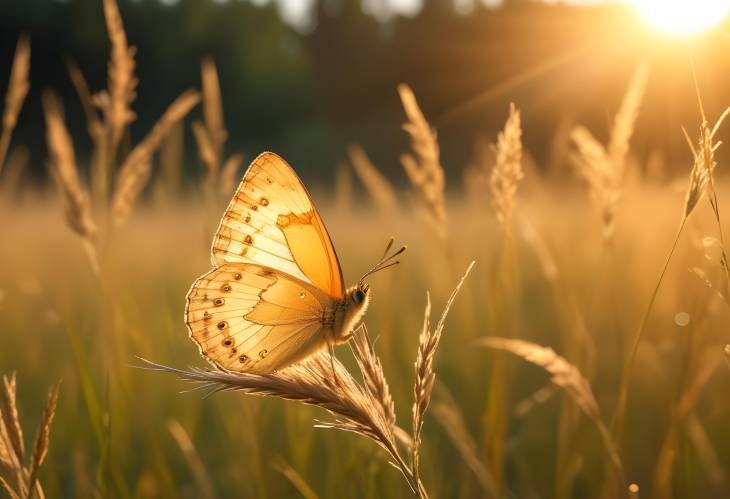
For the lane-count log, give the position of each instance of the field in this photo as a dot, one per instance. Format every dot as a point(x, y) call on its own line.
point(632, 400)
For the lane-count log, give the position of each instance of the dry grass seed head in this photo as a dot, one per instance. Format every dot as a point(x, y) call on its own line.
point(210, 134)
point(321, 381)
point(594, 165)
point(564, 374)
point(425, 376)
point(94, 124)
point(18, 87)
point(15, 478)
point(135, 170)
point(380, 190)
point(423, 167)
point(507, 171)
point(603, 168)
point(65, 171)
point(374, 379)
point(116, 102)
point(704, 163)
point(212, 104)
point(625, 121)
point(40, 449)
point(13, 448)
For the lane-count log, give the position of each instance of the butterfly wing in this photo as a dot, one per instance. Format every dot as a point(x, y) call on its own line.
point(255, 319)
point(271, 221)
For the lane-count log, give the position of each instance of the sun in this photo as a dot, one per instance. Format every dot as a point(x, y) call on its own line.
point(683, 17)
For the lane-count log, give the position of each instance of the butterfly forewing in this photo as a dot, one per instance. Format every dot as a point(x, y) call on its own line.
point(251, 318)
point(272, 221)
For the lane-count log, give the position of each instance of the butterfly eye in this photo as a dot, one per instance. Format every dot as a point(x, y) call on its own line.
point(358, 296)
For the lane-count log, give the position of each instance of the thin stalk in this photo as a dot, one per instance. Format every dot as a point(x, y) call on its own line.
point(716, 210)
point(617, 423)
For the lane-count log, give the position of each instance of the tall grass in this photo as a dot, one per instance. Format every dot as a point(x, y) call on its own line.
point(503, 430)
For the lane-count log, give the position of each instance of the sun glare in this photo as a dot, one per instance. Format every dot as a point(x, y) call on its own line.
point(683, 17)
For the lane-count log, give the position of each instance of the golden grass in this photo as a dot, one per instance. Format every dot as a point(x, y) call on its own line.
point(134, 172)
point(64, 170)
point(117, 100)
point(603, 168)
point(569, 378)
point(113, 415)
point(18, 87)
point(381, 192)
point(365, 408)
point(16, 478)
point(423, 167)
point(507, 171)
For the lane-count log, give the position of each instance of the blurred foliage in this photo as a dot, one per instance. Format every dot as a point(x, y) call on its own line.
point(308, 94)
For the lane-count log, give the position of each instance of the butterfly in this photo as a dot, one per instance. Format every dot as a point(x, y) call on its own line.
point(276, 293)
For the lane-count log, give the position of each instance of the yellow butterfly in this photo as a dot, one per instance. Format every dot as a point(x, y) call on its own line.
point(276, 293)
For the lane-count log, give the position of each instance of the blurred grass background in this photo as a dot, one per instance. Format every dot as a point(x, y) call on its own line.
point(307, 92)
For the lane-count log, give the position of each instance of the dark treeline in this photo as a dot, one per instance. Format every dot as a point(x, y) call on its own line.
point(307, 95)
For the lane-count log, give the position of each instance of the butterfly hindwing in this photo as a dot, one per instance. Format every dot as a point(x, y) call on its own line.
point(255, 319)
point(271, 221)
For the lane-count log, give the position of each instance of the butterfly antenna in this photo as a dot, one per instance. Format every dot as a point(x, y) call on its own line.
point(387, 248)
point(385, 260)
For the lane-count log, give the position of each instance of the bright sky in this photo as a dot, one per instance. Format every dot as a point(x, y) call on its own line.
point(677, 17)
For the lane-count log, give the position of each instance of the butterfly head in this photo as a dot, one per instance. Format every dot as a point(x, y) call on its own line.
point(360, 294)
point(357, 297)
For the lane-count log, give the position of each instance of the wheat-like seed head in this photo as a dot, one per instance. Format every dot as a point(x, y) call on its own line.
point(135, 170)
point(428, 343)
point(94, 124)
point(507, 171)
point(569, 378)
point(704, 163)
point(40, 449)
point(13, 448)
point(213, 106)
point(374, 379)
point(603, 167)
point(564, 374)
point(380, 190)
point(18, 87)
point(65, 171)
point(321, 381)
point(116, 102)
point(423, 167)
point(625, 121)
point(15, 478)
point(210, 134)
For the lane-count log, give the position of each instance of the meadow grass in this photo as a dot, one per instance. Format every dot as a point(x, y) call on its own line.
point(634, 401)
point(53, 329)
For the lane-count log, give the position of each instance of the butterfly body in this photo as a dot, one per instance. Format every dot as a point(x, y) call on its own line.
point(276, 293)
